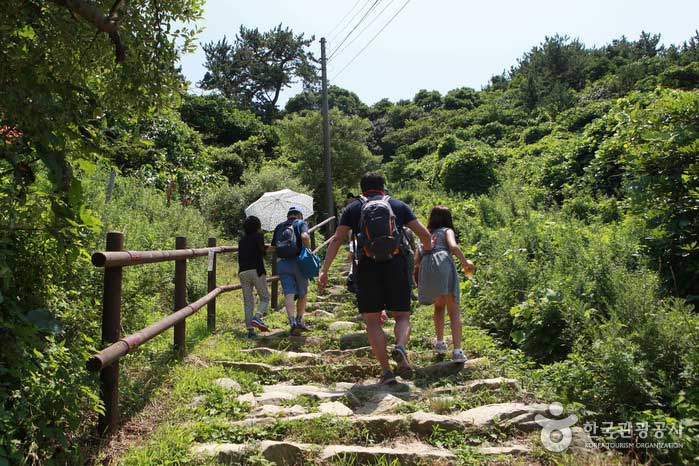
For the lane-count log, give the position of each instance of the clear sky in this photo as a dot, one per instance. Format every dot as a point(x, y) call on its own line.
point(442, 44)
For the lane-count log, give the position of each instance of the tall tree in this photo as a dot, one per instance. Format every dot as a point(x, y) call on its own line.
point(344, 100)
point(301, 143)
point(258, 66)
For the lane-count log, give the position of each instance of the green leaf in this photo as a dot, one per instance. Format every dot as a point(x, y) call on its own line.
point(518, 336)
point(44, 321)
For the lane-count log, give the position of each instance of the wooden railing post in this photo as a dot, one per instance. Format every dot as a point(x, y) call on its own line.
point(211, 307)
point(313, 240)
point(111, 332)
point(275, 284)
point(180, 295)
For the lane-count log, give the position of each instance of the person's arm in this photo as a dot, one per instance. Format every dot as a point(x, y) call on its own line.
point(335, 244)
point(422, 233)
point(305, 237)
point(416, 268)
point(456, 250)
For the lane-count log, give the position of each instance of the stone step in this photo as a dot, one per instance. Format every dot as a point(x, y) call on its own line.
point(448, 368)
point(347, 371)
point(516, 414)
point(408, 454)
point(420, 423)
point(292, 453)
point(479, 384)
point(361, 352)
point(291, 355)
point(358, 340)
point(331, 354)
point(340, 325)
point(356, 394)
point(281, 338)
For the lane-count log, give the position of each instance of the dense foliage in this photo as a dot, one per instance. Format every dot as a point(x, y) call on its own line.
point(573, 178)
point(585, 240)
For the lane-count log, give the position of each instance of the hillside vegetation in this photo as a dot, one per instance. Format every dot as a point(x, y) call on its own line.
point(573, 178)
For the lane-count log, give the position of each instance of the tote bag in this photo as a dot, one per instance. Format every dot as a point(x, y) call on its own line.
point(309, 263)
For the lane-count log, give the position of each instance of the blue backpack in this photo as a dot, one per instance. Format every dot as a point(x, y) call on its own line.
point(288, 238)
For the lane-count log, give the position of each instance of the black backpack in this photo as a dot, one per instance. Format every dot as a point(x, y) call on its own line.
point(379, 235)
point(288, 240)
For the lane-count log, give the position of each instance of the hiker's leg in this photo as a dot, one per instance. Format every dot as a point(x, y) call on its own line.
point(248, 298)
point(263, 293)
point(301, 307)
point(285, 269)
point(454, 320)
point(301, 292)
point(439, 318)
point(402, 327)
point(289, 304)
point(377, 339)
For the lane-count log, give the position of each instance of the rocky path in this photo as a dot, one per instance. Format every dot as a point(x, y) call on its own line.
point(314, 399)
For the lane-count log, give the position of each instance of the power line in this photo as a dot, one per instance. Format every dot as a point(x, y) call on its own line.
point(349, 23)
point(343, 18)
point(349, 44)
point(373, 5)
point(370, 41)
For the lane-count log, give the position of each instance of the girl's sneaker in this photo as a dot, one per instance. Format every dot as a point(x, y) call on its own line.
point(441, 348)
point(458, 355)
point(258, 324)
point(388, 379)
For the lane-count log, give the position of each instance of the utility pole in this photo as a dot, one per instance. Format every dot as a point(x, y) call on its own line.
point(326, 138)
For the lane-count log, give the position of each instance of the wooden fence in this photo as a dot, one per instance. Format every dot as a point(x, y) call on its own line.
point(113, 260)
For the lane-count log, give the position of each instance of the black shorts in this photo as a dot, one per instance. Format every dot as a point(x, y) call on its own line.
point(383, 286)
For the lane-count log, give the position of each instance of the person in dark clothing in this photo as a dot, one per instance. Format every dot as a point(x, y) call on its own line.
point(252, 274)
point(381, 285)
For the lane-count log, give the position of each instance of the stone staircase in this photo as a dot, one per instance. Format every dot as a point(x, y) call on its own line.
point(325, 407)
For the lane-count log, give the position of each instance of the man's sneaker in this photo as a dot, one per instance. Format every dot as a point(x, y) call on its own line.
point(441, 348)
point(301, 325)
point(295, 330)
point(405, 369)
point(458, 356)
point(388, 379)
point(258, 324)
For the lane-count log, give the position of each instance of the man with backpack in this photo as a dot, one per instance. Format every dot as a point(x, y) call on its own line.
point(383, 283)
point(290, 237)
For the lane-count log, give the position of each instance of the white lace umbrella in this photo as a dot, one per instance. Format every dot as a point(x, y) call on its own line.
point(272, 208)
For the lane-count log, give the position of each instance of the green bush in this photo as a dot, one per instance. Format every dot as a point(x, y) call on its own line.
point(225, 205)
point(449, 144)
point(469, 170)
point(681, 77)
point(534, 133)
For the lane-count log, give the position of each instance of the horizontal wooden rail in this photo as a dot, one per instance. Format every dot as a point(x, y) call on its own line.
point(327, 241)
point(324, 222)
point(113, 260)
point(129, 343)
point(125, 258)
